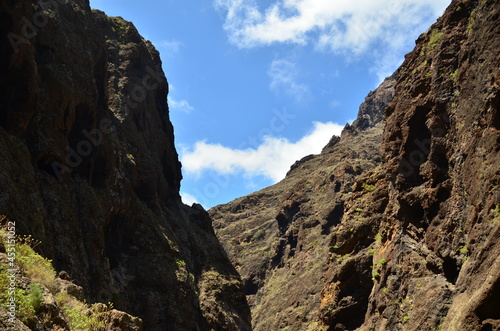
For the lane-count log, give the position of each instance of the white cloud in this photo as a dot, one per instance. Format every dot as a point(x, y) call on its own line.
point(351, 27)
point(272, 158)
point(283, 74)
point(340, 24)
point(181, 105)
point(188, 199)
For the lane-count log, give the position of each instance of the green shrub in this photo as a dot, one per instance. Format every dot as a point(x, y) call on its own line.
point(24, 305)
point(40, 272)
point(180, 263)
point(36, 296)
point(119, 26)
point(368, 187)
point(25, 309)
point(82, 317)
point(36, 267)
point(434, 38)
point(471, 22)
point(382, 261)
point(453, 76)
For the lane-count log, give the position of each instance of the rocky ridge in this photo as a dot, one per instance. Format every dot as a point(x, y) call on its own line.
point(279, 237)
point(402, 239)
point(88, 167)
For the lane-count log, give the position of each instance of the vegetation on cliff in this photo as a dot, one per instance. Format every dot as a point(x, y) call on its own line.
point(31, 294)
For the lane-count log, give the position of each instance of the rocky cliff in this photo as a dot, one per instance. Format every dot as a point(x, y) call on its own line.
point(88, 167)
point(279, 237)
point(396, 224)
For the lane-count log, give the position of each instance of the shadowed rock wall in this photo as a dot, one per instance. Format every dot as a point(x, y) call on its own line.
point(88, 167)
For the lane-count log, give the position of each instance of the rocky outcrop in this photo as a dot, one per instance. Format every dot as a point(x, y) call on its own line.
point(441, 160)
point(402, 239)
point(88, 167)
point(371, 112)
point(279, 237)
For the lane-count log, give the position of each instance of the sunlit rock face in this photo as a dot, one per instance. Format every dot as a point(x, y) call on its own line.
point(395, 225)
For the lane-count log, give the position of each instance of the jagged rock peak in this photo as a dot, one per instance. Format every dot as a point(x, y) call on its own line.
point(370, 113)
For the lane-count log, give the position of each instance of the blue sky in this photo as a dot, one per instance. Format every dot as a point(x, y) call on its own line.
point(256, 85)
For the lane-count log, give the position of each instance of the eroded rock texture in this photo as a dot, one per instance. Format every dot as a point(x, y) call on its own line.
point(279, 238)
point(88, 167)
point(395, 225)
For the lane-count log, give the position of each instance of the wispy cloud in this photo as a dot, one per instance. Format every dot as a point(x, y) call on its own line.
point(350, 28)
point(181, 105)
point(171, 46)
point(283, 74)
point(272, 158)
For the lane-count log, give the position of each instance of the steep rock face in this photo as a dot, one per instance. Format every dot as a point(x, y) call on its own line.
point(441, 156)
point(407, 239)
point(278, 238)
point(88, 167)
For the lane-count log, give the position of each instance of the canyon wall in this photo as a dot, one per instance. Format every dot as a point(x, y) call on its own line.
point(396, 224)
point(88, 167)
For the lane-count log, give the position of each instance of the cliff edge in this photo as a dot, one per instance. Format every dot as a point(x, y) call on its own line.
point(88, 167)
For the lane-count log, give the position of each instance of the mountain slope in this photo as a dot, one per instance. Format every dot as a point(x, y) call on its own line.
point(279, 237)
point(405, 238)
point(88, 167)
